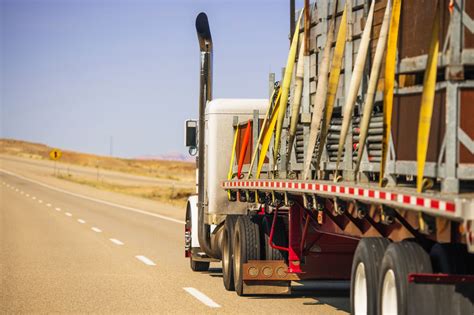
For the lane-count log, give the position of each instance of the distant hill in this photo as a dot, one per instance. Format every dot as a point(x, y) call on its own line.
point(173, 156)
point(159, 167)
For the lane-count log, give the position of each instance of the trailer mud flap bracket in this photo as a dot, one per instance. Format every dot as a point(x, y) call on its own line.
point(267, 277)
point(268, 270)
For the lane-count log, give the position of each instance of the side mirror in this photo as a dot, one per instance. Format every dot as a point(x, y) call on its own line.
point(190, 135)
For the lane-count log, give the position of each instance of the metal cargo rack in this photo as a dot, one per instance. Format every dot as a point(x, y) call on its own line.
point(450, 158)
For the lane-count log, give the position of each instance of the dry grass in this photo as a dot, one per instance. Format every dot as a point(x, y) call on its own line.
point(175, 170)
point(170, 195)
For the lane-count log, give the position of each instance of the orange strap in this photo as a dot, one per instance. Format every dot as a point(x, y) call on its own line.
point(243, 150)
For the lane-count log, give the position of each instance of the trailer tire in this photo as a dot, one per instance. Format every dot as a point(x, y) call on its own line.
point(279, 238)
point(365, 273)
point(246, 247)
point(396, 295)
point(227, 252)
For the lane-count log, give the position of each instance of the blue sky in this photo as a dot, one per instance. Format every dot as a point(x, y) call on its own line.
point(75, 73)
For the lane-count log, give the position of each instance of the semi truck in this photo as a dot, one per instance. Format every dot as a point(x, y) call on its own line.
point(359, 166)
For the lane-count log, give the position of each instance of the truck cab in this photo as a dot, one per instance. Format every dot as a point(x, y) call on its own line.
point(220, 114)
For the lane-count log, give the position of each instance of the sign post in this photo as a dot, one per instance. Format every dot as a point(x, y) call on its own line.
point(55, 155)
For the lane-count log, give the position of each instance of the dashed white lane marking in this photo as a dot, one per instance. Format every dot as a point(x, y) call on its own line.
point(145, 260)
point(202, 297)
point(17, 190)
point(22, 192)
point(81, 221)
point(33, 197)
point(116, 241)
point(48, 205)
point(40, 201)
point(97, 230)
point(68, 214)
point(57, 209)
point(156, 215)
point(27, 195)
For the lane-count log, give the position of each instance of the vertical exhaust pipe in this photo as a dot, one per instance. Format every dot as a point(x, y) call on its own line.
point(292, 19)
point(205, 95)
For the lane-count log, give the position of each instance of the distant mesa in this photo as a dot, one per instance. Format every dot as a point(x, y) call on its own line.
point(168, 157)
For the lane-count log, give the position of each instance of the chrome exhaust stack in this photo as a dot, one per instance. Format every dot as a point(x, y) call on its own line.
point(205, 95)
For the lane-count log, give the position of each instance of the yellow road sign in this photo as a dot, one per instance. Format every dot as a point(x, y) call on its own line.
point(55, 154)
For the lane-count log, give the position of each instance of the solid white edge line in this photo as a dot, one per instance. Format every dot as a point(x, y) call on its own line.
point(202, 297)
point(94, 199)
point(68, 214)
point(95, 229)
point(145, 260)
point(81, 221)
point(116, 241)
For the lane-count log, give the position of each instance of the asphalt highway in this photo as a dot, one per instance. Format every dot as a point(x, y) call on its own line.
point(68, 249)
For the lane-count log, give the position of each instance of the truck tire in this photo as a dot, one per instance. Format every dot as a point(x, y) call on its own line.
point(246, 247)
point(227, 252)
point(365, 273)
point(396, 295)
point(279, 238)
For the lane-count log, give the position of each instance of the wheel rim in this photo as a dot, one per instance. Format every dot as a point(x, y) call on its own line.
point(360, 290)
point(389, 294)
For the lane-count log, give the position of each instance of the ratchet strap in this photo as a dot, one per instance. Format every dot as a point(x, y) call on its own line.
point(389, 83)
point(427, 102)
point(333, 84)
point(372, 87)
point(286, 87)
point(268, 135)
point(262, 129)
point(354, 86)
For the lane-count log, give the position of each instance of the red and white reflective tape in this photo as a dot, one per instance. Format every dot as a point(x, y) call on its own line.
point(349, 191)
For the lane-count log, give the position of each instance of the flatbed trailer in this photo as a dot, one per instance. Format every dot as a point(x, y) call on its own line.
point(356, 211)
point(326, 221)
point(335, 213)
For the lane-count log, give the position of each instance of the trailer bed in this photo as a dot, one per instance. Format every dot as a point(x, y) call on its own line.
point(455, 206)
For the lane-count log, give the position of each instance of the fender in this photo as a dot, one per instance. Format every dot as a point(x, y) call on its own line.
point(191, 228)
point(192, 214)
